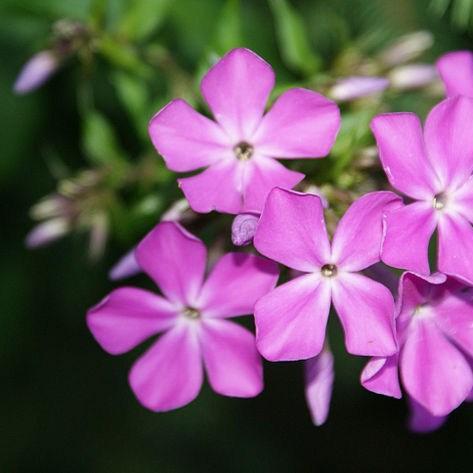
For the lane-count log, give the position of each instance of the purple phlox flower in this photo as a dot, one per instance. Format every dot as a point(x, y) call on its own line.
point(319, 376)
point(239, 148)
point(434, 169)
point(456, 71)
point(434, 363)
point(244, 228)
point(355, 87)
point(192, 315)
point(36, 72)
point(291, 319)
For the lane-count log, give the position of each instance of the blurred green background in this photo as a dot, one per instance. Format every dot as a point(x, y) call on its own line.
point(65, 406)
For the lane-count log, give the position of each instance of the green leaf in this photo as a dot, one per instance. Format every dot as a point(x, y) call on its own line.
point(133, 93)
point(293, 39)
point(142, 18)
point(99, 141)
point(228, 33)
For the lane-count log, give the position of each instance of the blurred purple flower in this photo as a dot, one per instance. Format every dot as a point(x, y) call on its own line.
point(240, 149)
point(355, 87)
point(434, 329)
point(291, 320)
point(456, 72)
point(434, 169)
point(36, 71)
point(192, 314)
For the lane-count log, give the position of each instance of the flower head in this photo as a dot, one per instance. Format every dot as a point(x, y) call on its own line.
point(291, 320)
point(434, 169)
point(192, 314)
point(456, 72)
point(239, 148)
point(435, 333)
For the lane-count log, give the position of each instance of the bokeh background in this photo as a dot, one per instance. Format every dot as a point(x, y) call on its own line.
point(65, 405)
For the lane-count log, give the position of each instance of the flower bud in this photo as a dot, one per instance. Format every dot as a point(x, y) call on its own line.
point(355, 87)
point(126, 267)
point(36, 71)
point(47, 232)
point(244, 229)
point(407, 48)
point(412, 76)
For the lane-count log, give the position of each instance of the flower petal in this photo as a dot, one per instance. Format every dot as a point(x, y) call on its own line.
point(127, 316)
point(380, 376)
point(366, 311)
point(456, 71)
point(263, 176)
point(455, 247)
point(402, 153)
point(186, 139)
point(461, 201)
point(421, 420)
point(236, 89)
point(454, 316)
point(407, 235)
point(301, 123)
point(219, 187)
point(449, 141)
point(319, 376)
point(292, 230)
point(291, 319)
point(232, 362)
point(236, 282)
point(357, 240)
point(169, 375)
point(433, 371)
point(175, 260)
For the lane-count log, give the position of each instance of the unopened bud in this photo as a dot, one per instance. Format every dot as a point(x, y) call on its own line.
point(47, 232)
point(355, 87)
point(36, 72)
point(407, 48)
point(412, 76)
point(244, 229)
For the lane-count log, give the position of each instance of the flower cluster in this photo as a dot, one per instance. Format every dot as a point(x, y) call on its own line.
point(419, 336)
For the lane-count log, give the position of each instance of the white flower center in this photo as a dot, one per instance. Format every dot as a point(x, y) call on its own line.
point(440, 201)
point(329, 270)
point(243, 151)
point(191, 313)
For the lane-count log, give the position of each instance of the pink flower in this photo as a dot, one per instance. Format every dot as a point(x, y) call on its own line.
point(240, 147)
point(456, 72)
point(291, 320)
point(435, 333)
point(433, 169)
point(192, 314)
